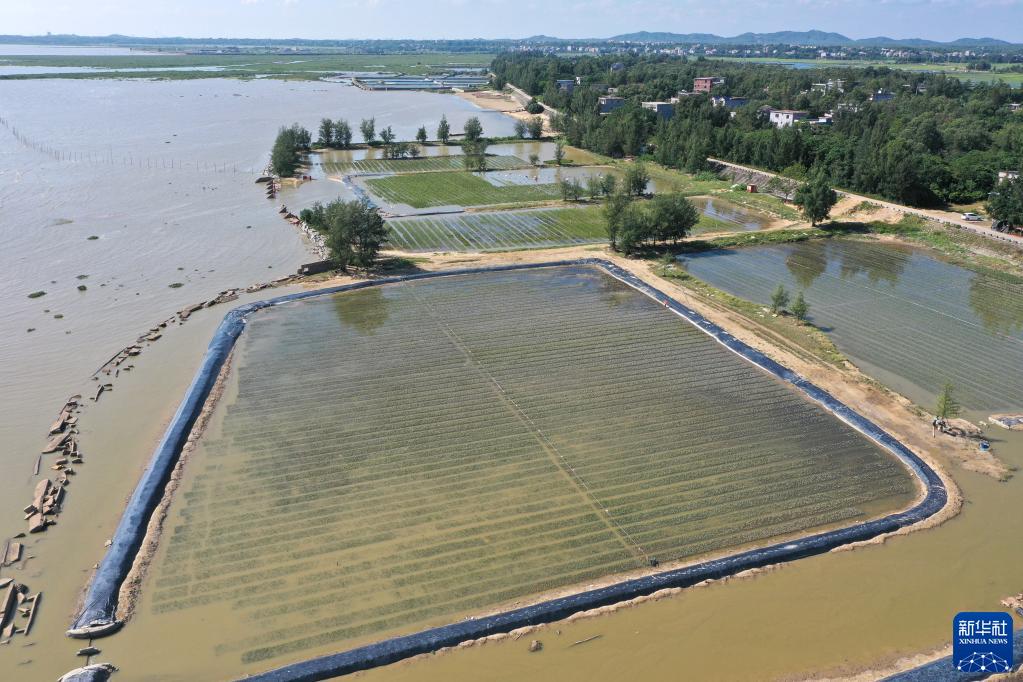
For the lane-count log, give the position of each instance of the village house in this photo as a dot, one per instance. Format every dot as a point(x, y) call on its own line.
point(1007, 175)
point(566, 85)
point(608, 103)
point(881, 96)
point(729, 102)
point(707, 83)
point(1015, 106)
point(833, 85)
point(783, 118)
point(664, 110)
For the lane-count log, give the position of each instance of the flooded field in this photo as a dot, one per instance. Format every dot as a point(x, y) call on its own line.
point(340, 161)
point(499, 230)
point(541, 228)
point(436, 162)
point(446, 460)
point(909, 319)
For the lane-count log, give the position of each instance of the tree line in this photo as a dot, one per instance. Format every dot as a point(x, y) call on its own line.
point(938, 140)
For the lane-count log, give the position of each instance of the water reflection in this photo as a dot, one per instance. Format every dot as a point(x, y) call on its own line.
point(364, 311)
point(997, 303)
point(805, 267)
point(879, 265)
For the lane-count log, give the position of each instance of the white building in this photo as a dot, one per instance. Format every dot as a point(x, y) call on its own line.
point(783, 118)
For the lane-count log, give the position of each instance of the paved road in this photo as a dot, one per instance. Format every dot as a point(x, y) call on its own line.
point(944, 217)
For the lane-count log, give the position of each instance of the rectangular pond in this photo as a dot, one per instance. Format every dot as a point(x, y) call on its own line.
point(905, 317)
point(406, 455)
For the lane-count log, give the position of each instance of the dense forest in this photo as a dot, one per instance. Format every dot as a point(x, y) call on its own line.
point(938, 140)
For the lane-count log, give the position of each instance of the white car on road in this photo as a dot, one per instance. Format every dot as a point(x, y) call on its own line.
point(972, 217)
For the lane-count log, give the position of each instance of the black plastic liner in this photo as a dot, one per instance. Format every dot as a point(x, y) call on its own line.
point(99, 614)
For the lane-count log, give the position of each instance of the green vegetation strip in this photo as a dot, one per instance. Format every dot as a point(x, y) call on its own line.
point(407, 454)
point(499, 231)
point(455, 189)
point(300, 67)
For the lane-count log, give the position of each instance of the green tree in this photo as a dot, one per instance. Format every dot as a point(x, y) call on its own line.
point(475, 154)
point(816, 198)
point(421, 135)
point(594, 187)
point(636, 228)
point(1006, 202)
point(800, 307)
point(947, 407)
point(342, 134)
point(387, 135)
point(614, 208)
point(559, 152)
point(287, 151)
point(571, 190)
point(534, 159)
point(368, 128)
point(636, 179)
point(355, 232)
point(672, 217)
point(326, 138)
point(443, 129)
point(535, 127)
point(609, 183)
point(473, 129)
point(520, 128)
point(779, 299)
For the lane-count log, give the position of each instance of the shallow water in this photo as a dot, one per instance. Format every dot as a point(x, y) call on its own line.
point(408, 480)
point(911, 320)
point(162, 173)
point(735, 215)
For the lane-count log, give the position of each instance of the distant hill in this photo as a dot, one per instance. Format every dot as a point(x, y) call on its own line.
point(822, 38)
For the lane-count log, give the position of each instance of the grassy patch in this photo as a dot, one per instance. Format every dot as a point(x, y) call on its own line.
point(455, 189)
point(803, 334)
point(763, 202)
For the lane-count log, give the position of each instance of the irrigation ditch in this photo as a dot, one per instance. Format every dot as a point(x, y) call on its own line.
point(98, 617)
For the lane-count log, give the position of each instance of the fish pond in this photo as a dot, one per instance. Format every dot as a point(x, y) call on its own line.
point(909, 319)
point(402, 456)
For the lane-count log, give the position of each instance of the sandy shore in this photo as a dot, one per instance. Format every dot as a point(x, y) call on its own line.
point(506, 103)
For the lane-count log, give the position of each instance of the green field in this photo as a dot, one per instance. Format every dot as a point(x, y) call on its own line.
point(452, 162)
point(455, 189)
point(299, 66)
point(403, 456)
point(501, 230)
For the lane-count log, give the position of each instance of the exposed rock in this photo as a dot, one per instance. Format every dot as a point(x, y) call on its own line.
point(535, 645)
point(98, 672)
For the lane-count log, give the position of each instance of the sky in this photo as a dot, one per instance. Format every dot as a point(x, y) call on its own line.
point(340, 19)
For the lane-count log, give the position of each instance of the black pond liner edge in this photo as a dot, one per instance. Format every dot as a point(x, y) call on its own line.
point(98, 616)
